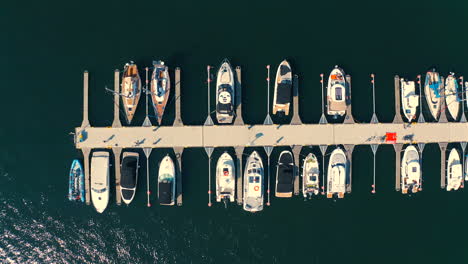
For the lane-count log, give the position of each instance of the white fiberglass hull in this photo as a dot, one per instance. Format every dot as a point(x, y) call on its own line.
point(167, 180)
point(337, 173)
point(337, 93)
point(410, 171)
point(433, 95)
point(409, 99)
point(225, 178)
point(283, 88)
point(454, 171)
point(253, 183)
point(452, 100)
point(100, 180)
point(225, 93)
point(310, 176)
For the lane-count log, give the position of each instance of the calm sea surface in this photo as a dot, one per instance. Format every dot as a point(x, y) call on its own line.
point(45, 47)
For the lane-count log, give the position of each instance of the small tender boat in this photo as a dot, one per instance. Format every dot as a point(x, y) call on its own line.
point(410, 171)
point(225, 93)
point(131, 90)
point(337, 174)
point(129, 176)
point(310, 176)
point(409, 99)
point(452, 100)
point(285, 175)
point(225, 178)
point(337, 93)
point(160, 88)
point(432, 89)
point(253, 183)
point(100, 180)
point(454, 171)
point(166, 182)
point(76, 188)
point(283, 88)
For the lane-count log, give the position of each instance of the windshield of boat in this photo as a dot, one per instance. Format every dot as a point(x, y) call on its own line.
point(99, 190)
point(312, 178)
point(254, 179)
point(338, 94)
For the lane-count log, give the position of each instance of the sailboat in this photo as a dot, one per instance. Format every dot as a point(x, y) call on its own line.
point(225, 93)
point(253, 183)
point(225, 178)
point(166, 181)
point(285, 175)
point(76, 188)
point(432, 89)
point(454, 171)
point(160, 88)
point(452, 100)
point(129, 178)
point(409, 99)
point(410, 171)
point(100, 180)
point(130, 90)
point(337, 93)
point(310, 176)
point(337, 174)
point(283, 88)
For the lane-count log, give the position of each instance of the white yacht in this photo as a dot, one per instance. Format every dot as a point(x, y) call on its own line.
point(410, 171)
point(225, 178)
point(452, 100)
point(433, 86)
point(337, 93)
point(283, 88)
point(454, 171)
point(310, 176)
point(225, 93)
point(100, 180)
point(409, 99)
point(253, 183)
point(337, 174)
point(166, 181)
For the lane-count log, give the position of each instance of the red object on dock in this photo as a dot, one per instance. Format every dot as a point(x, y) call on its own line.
point(391, 137)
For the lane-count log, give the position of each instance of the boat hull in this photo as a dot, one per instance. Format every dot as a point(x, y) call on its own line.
point(283, 88)
point(410, 171)
point(432, 89)
point(166, 181)
point(253, 183)
point(76, 189)
point(130, 90)
point(452, 99)
point(310, 176)
point(285, 175)
point(454, 172)
point(129, 176)
point(225, 178)
point(409, 99)
point(337, 174)
point(160, 89)
point(225, 94)
point(100, 180)
point(337, 93)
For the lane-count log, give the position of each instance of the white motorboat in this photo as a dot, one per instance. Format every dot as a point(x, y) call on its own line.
point(100, 180)
point(129, 176)
point(225, 178)
point(337, 93)
point(253, 183)
point(310, 176)
point(225, 93)
point(337, 174)
point(410, 171)
point(166, 181)
point(283, 88)
point(433, 87)
point(409, 99)
point(454, 171)
point(452, 100)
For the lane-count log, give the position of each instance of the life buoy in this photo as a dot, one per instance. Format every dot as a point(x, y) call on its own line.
point(256, 188)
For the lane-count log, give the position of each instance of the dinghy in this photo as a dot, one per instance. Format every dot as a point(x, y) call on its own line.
point(160, 88)
point(432, 88)
point(337, 93)
point(76, 188)
point(285, 175)
point(225, 93)
point(410, 171)
point(283, 88)
point(454, 171)
point(310, 176)
point(131, 90)
point(166, 181)
point(129, 176)
point(100, 180)
point(225, 178)
point(409, 99)
point(253, 183)
point(337, 174)
point(452, 100)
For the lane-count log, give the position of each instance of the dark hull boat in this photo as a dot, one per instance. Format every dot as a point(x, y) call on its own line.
point(76, 188)
point(283, 88)
point(160, 88)
point(129, 178)
point(285, 175)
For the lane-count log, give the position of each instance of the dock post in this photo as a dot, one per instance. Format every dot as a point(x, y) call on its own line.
point(349, 113)
point(85, 122)
point(296, 118)
point(239, 187)
point(374, 119)
point(349, 156)
point(421, 115)
point(116, 122)
point(86, 152)
point(238, 102)
point(178, 152)
point(462, 118)
point(268, 120)
point(374, 148)
point(323, 150)
point(443, 149)
point(268, 150)
point(178, 114)
point(443, 107)
point(398, 148)
point(463, 145)
point(323, 119)
point(421, 149)
point(147, 152)
point(397, 119)
point(296, 152)
point(147, 121)
point(208, 121)
point(209, 151)
point(117, 152)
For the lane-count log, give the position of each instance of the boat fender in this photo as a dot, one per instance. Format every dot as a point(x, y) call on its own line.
point(256, 188)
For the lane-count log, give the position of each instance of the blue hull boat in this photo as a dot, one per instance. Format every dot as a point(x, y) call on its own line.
point(76, 188)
